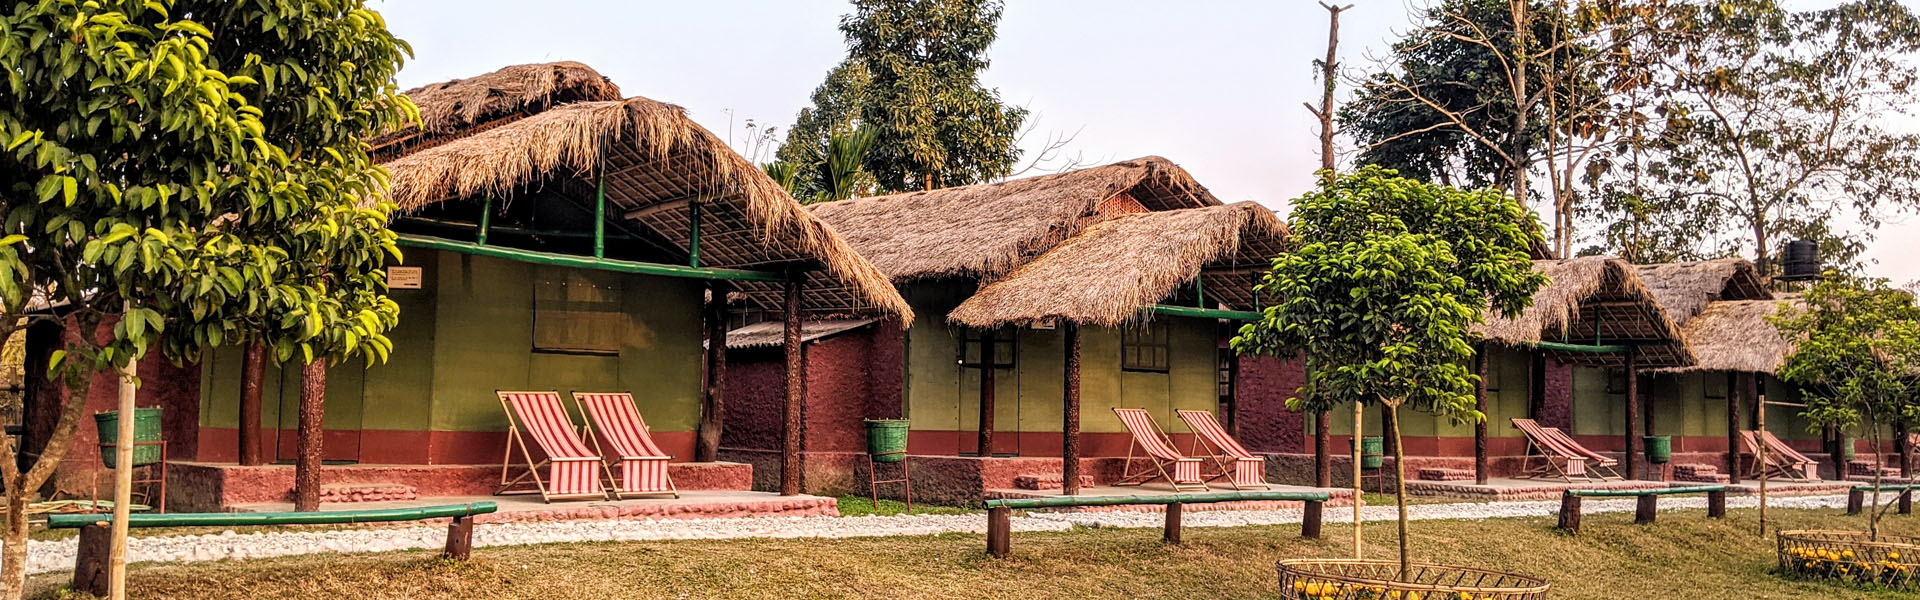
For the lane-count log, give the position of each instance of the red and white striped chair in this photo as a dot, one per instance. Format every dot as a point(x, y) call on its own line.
point(1247, 471)
point(643, 465)
point(573, 469)
point(1181, 472)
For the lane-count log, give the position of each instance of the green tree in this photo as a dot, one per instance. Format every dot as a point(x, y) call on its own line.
point(1856, 355)
point(173, 168)
point(835, 110)
point(835, 174)
point(1381, 292)
point(936, 125)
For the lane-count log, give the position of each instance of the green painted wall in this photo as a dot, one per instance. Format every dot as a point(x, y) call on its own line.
point(943, 396)
point(1506, 399)
point(468, 332)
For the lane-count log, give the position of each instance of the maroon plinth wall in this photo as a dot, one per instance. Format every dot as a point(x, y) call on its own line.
point(174, 388)
point(1556, 403)
point(1265, 423)
point(211, 487)
point(849, 378)
point(398, 447)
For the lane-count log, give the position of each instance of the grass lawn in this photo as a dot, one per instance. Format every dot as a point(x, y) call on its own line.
point(862, 506)
point(1685, 555)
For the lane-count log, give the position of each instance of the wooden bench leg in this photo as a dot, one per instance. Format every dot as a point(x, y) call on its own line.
point(1648, 506)
point(1569, 512)
point(1717, 504)
point(460, 539)
point(90, 568)
point(1906, 502)
point(1310, 519)
point(1856, 499)
point(1172, 535)
point(999, 529)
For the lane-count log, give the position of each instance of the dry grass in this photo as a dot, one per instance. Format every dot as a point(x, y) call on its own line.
point(983, 231)
point(1114, 268)
point(1684, 556)
point(1735, 336)
point(1685, 289)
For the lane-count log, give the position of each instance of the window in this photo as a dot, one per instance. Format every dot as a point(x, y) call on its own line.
point(1144, 348)
point(577, 312)
point(1003, 349)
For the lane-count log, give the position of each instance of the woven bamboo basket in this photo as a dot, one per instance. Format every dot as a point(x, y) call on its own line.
point(1352, 579)
point(1849, 556)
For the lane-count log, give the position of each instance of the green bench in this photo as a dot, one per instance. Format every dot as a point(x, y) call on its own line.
point(96, 530)
point(1857, 497)
point(1000, 512)
point(1648, 502)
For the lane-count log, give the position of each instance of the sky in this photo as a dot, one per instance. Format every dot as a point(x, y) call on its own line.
point(1216, 86)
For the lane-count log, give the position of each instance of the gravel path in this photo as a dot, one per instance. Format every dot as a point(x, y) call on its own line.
point(50, 556)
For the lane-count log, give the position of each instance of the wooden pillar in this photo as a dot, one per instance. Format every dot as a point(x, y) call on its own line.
point(1322, 453)
point(1736, 389)
point(1856, 500)
point(1480, 473)
point(1312, 519)
point(999, 531)
point(1070, 425)
point(253, 375)
point(313, 409)
point(1717, 504)
point(987, 360)
point(459, 538)
point(1633, 416)
point(796, 381)
point(1569, 512)
point(1171, 534)
point(1646, 508)
point(90, 570)
point(713, 412)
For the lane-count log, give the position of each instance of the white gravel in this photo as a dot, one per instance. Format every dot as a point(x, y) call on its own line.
point(58, 555)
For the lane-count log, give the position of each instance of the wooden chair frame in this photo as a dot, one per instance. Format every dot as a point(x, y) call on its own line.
point(1222, 460)
point(591, 434)
point(533, 467)
point(1129, 478)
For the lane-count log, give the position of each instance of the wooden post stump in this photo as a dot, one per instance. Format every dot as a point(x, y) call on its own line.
point(999, 530)
point(90, 570)
point(459, 539)
point(1310, 520)
point(1646, 509)
point(1906, 501)
point(1856, 500)
point(1569, 512)
point(1717, 504)
point(1172, 534)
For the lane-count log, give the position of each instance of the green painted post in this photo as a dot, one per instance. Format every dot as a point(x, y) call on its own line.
point(604, 264)
point(486, 220)
point(600, 210)
point(693, 244)
point(1199, 293)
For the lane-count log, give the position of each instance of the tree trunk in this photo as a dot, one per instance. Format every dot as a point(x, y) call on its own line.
point(313, 408)
point(13, 559)
point(1359, 412)
point(1480, 467)
point(1879, 465)
point(1329, 69)
point(1399, 487)
point(122, 479)
point(253, 375)
point(21, 487)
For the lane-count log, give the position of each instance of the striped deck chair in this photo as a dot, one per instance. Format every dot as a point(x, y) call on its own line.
point(573, 469)
point(1559, 456)
point(1782, 460)
point(1247, 471)
point(643, 465)
point(1185, 473)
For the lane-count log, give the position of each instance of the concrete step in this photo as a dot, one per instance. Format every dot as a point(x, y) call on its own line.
point(367, 492)
point(1865, 468)
point(1444, 474)
point(1046, 481)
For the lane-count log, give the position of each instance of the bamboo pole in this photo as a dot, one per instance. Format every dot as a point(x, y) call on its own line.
point(122, 480)
point(1760, 457)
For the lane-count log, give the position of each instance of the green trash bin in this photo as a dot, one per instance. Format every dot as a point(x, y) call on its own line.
point(146, 428)
point(1659, 448)
point(1373, 452)
point(887, 439)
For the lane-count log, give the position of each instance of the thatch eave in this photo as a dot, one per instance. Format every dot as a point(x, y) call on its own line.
point(1594, 300)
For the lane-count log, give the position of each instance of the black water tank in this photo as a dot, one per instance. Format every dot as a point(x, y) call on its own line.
point(1800, 260)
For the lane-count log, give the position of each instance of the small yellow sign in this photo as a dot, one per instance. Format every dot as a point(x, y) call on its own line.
point(404, 278)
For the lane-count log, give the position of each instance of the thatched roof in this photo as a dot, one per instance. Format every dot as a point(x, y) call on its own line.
point(983, 231)
point(772, 334)
point(1735, 336)
point(1684, 289)
point(657, 162)
point(1114, 268)
point(1594, 300)
point(465, 106)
